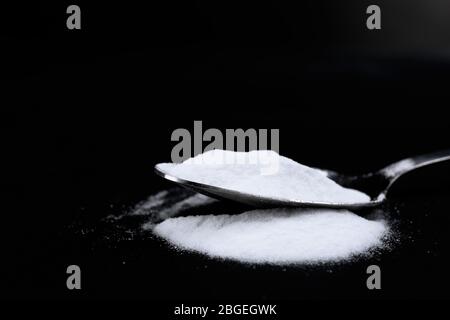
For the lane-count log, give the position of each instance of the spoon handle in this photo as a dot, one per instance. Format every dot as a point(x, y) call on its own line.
point(398, 168)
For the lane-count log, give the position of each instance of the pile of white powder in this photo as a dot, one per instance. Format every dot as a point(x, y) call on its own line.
point(274, 236)
point(263, 173)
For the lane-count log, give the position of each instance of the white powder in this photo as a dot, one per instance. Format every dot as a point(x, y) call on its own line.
point(263, 173)
point(276, 236)
point(196, 200)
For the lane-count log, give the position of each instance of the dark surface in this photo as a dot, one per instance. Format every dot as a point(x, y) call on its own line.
point(90, 113)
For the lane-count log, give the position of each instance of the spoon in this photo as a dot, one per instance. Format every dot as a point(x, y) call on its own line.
point(376, 184)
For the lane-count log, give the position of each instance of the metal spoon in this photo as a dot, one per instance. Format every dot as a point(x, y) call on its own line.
point(376, 184)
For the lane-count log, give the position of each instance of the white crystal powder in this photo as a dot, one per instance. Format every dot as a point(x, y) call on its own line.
point(276, 236)
point(263, 173)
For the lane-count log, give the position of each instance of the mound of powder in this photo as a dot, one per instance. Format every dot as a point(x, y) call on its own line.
point(263, 173)
point(276, 236)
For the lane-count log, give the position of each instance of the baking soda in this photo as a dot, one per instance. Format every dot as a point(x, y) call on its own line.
point(193, 222)
point(263, 173)
point(276, 236)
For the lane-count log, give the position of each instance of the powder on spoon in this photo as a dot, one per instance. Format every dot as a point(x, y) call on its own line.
point(263, 173)
point(276, 236)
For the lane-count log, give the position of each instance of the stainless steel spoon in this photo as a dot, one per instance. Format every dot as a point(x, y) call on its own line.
point(376, 184)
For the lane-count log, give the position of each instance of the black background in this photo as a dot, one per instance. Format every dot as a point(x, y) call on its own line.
point(87, 113)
